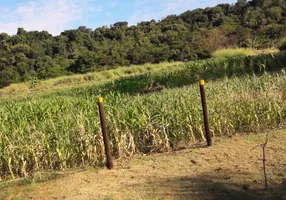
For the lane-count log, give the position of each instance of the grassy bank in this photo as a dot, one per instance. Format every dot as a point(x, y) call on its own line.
point(82, 80)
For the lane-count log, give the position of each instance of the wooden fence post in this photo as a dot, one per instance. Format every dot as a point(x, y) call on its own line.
point(205, 113)
point(109, 163)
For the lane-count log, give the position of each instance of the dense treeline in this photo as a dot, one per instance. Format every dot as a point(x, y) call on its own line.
point(189, 36)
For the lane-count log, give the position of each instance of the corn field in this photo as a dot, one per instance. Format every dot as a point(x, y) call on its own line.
point(61, 130)
point(192, 72)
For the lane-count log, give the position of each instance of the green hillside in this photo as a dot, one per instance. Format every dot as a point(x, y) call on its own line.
point(189, 36)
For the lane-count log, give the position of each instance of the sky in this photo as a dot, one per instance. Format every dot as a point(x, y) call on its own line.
point(55, 16)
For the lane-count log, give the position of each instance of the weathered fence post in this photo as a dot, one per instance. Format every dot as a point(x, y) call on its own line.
point(205, 113)
point(109, 163)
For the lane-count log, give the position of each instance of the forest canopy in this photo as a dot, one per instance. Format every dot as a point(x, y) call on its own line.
point(189, 36)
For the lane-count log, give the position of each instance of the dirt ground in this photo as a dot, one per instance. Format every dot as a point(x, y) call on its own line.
point(230, 169)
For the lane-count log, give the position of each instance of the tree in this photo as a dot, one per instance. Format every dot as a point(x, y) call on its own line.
point(189, 36)
point(216, 40)
point(8, 75)
point(274, 13)
point(254, 17)
point(85, 63)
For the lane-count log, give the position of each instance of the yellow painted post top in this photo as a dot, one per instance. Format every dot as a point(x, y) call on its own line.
point(100, 100)
point(202, 82)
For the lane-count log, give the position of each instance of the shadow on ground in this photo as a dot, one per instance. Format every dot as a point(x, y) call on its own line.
point(213, 185)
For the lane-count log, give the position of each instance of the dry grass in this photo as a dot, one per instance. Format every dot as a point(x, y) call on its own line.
point(243, 52)
point(231, 169)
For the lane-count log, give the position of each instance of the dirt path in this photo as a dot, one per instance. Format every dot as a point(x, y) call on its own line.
point(231, 169)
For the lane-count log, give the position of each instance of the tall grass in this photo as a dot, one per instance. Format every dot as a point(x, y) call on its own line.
point(61, 130)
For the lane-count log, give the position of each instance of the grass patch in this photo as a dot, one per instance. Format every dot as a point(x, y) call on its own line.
point(233, 52)
point(242, 52)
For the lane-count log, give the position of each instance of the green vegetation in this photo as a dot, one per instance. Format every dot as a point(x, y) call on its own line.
point(61, 130)
point(148, 107)
point(191, 35)
point(282, 45)
point(35, 86)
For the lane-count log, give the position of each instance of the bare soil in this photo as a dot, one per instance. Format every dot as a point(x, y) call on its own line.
point(230, 169)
